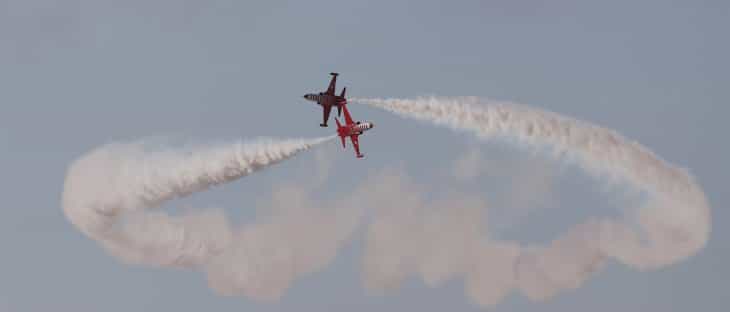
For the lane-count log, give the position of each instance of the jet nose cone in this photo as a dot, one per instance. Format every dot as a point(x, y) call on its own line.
point(372, 125)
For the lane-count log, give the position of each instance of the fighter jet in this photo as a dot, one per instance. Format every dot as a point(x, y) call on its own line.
point(353, 130)
point(328, 99)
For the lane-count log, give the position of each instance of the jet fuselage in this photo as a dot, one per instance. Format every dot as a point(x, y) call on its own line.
point(326, 99)
point(354, 129)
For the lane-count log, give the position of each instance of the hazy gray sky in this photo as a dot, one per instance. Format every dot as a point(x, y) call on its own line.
point(76, 74)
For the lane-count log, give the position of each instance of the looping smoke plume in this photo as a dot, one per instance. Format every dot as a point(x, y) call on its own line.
point(673, 224)
point(111, 194)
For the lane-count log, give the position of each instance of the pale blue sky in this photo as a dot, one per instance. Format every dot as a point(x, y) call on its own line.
point(79, 73)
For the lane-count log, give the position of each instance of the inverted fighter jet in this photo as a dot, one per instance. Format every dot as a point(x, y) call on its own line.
point(328, 99)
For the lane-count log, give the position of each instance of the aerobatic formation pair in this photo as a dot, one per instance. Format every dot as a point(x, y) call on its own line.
point(327, 100)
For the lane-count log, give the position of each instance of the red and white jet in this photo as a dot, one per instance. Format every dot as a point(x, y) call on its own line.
point(353, 130)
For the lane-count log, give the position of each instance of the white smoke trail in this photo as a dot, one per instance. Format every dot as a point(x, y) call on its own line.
point(673, 225)
point(110, 194)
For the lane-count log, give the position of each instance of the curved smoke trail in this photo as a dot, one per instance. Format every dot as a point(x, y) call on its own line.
point(111, 193)
point(673, 225)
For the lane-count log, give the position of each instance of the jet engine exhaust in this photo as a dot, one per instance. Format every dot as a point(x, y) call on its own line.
point(672, 225)
point(112, 193)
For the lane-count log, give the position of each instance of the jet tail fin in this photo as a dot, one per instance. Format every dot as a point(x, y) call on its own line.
point(343, 102)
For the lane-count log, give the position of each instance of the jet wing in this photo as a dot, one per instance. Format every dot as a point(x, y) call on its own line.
point(326, 113)
point(348, 118)
point(331, 88)
point(356, 145)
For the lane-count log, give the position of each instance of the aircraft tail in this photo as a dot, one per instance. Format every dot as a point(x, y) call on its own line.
point(344, 101)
